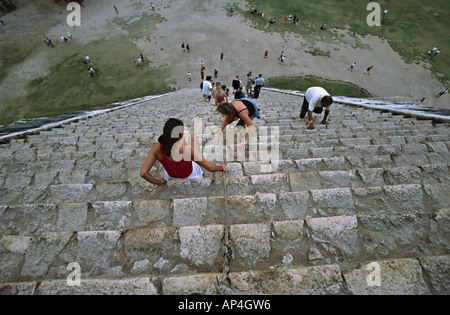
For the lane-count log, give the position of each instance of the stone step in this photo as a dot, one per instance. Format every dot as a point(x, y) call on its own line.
point(422, 276)
point(190, 249)
point(370, 187)
point(77, 215)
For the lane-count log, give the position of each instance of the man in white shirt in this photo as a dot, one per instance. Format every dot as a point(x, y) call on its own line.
point(207, 88)
point(316, 98)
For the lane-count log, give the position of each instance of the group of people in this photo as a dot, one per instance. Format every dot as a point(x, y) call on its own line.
point(353, 66)
point(86, 60)
point(140, 60)
point(181, 157)
point(434, 51)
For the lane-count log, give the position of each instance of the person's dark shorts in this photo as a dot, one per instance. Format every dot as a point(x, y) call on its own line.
point(305, 106)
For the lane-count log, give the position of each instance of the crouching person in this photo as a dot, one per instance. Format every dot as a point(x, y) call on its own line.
point(316, 99)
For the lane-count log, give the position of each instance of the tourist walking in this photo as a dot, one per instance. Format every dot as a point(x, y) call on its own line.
point(220, 96)
point(259, 83)
point(236, 84)
point(368, 70)
point(444, 91)
point(207, 88)
point(352, 67)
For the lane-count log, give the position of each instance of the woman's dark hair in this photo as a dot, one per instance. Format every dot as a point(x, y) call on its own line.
point(172, 130)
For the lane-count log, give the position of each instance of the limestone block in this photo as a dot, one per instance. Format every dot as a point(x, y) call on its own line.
point(270, 183)
point(95, 249)
point(41, 254)
point(437, 270)
point(234, 170)
point(397, 277)
point(404, 175)
point(110, 215)
point(251, 243)
point(336, 233)
point(204, 284)
point(147, 243)
point(319, 280)
point(333, 198)
point(149, 212)
point(309, 165)
point(404, 197)
point(103, 286)
point(201, 244)
point(305, 181)
point(331, 179)
point(70, 193)
point(189, 211)
point(294, 205)
point(72, 217)
point(438, 194)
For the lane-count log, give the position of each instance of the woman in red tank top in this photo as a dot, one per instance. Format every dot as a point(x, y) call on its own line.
point(176, 157)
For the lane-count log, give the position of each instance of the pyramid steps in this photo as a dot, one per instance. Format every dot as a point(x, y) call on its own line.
point(370, 187)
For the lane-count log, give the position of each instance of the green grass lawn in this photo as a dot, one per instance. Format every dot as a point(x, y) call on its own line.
point(412, 27)
point(68, 87)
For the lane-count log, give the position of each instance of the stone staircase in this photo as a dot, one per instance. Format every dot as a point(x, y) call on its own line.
point(358, 207)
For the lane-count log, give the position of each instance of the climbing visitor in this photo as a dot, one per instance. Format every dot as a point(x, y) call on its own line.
point(180, 161)
point(207, 88)
point(259, 83)
point(220, 96)
point(243, 109)
point(315, 100)
point(236, 83)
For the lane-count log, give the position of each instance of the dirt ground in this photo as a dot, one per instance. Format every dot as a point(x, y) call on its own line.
point(209, 31)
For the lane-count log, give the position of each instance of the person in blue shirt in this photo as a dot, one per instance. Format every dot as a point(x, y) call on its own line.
point(259, 83)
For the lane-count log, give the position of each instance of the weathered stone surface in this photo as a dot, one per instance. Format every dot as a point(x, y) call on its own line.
point(200, 245)
point(124, 286)
point(22, 288)
point(397, 277)
point(305, 181)
point(151, 211)
point(320, 280)
point(72, 216)
point(333, 198)
point(404, 197)
point(41, 254)
point(337, 235)
point(204, 284)
point(251, 242)
point(369, 186)
point(94, 250)
point(71, 193)
point(437, 271)
point(189, 211)
point(294, 205)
